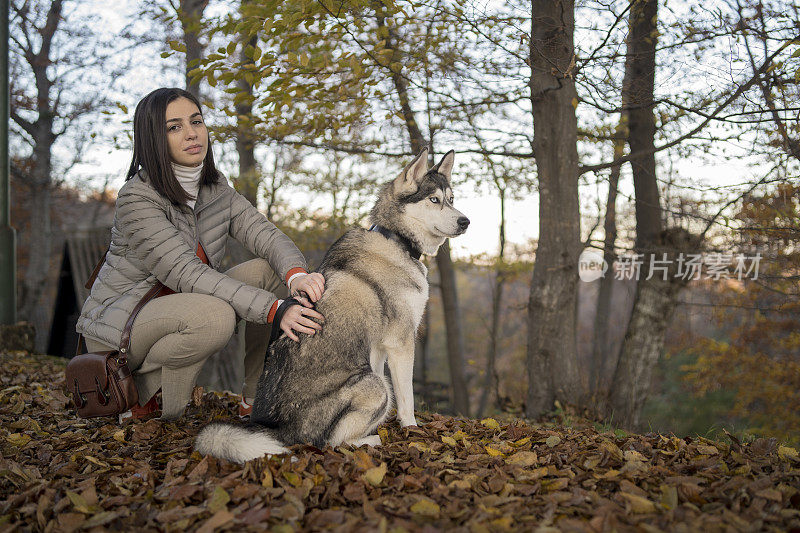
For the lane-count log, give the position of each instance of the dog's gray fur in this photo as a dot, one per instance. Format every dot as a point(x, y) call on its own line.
point(330, 387)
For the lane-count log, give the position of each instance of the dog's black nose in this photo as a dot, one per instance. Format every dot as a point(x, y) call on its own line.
point(463, 222)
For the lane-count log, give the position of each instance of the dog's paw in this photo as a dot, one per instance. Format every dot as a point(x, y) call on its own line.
point(409, 422)
point(369, 440)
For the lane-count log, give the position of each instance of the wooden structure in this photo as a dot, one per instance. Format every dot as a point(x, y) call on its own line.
point(82, 250)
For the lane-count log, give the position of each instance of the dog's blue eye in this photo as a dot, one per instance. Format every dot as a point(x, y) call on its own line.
point(434, 200)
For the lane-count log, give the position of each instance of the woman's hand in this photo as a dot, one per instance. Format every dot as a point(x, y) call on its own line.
point(312, 284)
point(298, 318)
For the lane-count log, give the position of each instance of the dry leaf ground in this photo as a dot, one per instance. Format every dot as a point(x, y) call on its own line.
point(59, 473)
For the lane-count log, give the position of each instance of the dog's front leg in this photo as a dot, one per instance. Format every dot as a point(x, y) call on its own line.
point(401, 365)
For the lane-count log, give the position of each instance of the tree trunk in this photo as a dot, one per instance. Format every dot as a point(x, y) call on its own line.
point(248, 181)
point(37, 274)
point(191, 14)
point(601, 362)
point(452, 324)
point(40, 181)
point(638, 95)
point(655, 302)
point(655, 298)
point(491, 379)
point(552, 351)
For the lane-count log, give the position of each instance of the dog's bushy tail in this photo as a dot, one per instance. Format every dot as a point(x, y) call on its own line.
point(237, 443)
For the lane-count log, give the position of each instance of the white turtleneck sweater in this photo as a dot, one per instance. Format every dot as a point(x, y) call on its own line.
point(189, 178)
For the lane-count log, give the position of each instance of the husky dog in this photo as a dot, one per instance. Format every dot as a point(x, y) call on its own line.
point(330, 387)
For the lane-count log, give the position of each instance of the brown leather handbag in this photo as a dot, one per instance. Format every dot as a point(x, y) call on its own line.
point(101, 383)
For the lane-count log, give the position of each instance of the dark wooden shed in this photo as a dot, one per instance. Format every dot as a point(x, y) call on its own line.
point(82, 250)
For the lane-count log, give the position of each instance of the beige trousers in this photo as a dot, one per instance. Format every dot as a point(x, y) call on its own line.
point(173, 336)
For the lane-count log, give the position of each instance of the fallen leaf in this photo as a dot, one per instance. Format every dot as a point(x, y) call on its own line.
point(293, 478)
point(374, 475)
point(707, 450)
point(383, 433)
point(669, 496)
point(219, 499)
point(490, 423)
point(184, 491)
point(18, 439)
point(219, 519)
point(70, 521)
point(197, 396)
point(266, 478)
point(787, 453)
point(523, 458)
point(462, 484)
point(633, 455)
point(521, 442)
point(491, 451)
point(638, 504)
point(552, 485)
point(98, 462)
point(362, 460)
point(426, 507)
point(100, 519)
point(770, 494)
point(552, 440)
point(612, 449)
point(420, 446)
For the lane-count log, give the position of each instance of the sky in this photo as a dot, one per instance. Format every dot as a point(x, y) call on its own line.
point(481, 207)
point(104, 159)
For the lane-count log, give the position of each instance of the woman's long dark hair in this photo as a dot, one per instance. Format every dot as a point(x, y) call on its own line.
point(150, 148)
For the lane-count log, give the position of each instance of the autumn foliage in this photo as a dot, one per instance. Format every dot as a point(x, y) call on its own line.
point(61, 473)
point(758, 352)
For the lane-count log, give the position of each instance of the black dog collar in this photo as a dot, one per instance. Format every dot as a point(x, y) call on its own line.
point(406, 243)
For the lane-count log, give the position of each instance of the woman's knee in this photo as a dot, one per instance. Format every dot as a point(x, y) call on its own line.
point(181, 330)
point(258, 273)
point(218, 321)
point(207, 324)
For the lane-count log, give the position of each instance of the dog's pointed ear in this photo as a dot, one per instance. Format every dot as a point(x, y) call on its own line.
point(409, 178)
point(445, 166)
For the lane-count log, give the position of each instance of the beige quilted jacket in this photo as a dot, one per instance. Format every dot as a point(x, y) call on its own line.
point(152, 239)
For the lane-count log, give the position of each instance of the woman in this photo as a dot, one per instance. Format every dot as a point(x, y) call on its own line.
point(174, 209)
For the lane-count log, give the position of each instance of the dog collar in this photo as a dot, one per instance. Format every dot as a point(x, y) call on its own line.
point(406, 243)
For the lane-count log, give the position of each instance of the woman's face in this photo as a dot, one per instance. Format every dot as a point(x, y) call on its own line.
point(187, 135)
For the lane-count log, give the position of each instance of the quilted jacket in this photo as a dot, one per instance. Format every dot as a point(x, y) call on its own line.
point(155, 240)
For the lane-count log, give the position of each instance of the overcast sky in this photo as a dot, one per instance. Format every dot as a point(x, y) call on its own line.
point(481, 207)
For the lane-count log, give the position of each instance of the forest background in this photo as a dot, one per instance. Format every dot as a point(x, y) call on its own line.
point(662, 128)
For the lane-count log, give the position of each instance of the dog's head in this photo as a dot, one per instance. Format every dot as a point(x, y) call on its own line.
point(418, 204)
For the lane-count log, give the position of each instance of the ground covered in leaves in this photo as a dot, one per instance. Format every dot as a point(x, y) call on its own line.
point(60, 473)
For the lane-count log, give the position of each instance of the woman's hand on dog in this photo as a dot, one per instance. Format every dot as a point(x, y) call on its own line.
point(312, 284)
point(298, 319)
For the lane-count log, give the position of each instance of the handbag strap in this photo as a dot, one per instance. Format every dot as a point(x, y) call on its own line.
point(155, 292)
point(125, 341)
point(124, 345)
point(96, 270)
